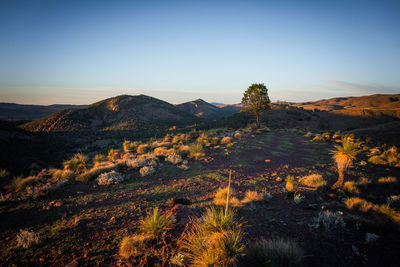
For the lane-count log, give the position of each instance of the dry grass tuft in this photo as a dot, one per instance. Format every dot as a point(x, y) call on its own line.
point(252, 196)
point(387, 180)
point(221, 195)
point(63, 174)
point(134, 245)
point(226, 140)
point(313, 180)
point(356, 203)
point(351, 187)
point(78, 163)
point(143, 148)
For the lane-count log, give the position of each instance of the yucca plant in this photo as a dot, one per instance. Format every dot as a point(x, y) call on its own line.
point(344, 155)
point(216, 241)
point(78, 163)
point(156, 223)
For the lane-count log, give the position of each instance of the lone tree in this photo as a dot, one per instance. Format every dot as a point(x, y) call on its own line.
point(344, 156)
point(256, 100)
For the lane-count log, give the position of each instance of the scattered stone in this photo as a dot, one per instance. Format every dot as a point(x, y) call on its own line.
point(371, 237)
point(182, 201)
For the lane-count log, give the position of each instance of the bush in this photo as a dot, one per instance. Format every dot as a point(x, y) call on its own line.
point(129, 146)
point(163, 151)
point(328, 220)
point(318, 137)
point(252, 196)
point(95, 172)
point(313, 180)
point(196, 150)
point(355, 203)
point(99, 158)
point(387, 180)
point(27, 238)
point(134, 245)
point(221, 195)
point(156, 223)
point(174, 159)
point(226, 140)
point(109, 178)
point(77, 164)
point(143, 148)
point(64, 174)
point(215, 241)
point(377, 160)
point(184, 150)
point(274, 252)
point(136, 162)
point(113, 154)
point(351, 187)
point(308, 134)
point(146, 170)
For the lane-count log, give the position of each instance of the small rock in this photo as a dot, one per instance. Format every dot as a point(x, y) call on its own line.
point(182, 201)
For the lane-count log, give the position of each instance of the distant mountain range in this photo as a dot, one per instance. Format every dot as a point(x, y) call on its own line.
point(29, 112)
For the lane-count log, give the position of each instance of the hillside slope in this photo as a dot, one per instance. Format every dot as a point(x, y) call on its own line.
point(203, 109)
point(118, 113)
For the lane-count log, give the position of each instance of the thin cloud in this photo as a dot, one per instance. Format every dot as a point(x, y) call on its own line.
point(362, 88)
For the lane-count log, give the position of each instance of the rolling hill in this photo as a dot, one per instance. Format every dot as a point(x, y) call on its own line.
point(118, 113)
point(203, 109)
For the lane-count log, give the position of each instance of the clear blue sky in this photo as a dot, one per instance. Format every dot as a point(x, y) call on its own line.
point(83, 51)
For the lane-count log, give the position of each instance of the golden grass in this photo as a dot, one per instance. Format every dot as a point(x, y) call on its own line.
point(221, 195)
point(63, 174)
point(313, 180)
point(359, 204)
point(226, 140)
point(143, 148)
point(252, 196)
point(351, 187)
point(387, 180)
point(134, 245)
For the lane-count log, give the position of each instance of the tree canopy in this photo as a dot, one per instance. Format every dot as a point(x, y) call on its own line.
point(256, 100)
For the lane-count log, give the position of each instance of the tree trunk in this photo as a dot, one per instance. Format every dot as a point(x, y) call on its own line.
point(258, 120)
point(340, 181)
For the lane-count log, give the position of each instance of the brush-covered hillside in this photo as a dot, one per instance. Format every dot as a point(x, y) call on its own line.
point(123, 112)
point(372, 105)
point(203, 109)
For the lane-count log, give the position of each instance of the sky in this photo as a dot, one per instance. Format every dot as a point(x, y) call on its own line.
point(80, 52)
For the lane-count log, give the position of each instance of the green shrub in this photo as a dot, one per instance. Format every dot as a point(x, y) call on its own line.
point(78, 163)
point(196, 150)
point(156, 223)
